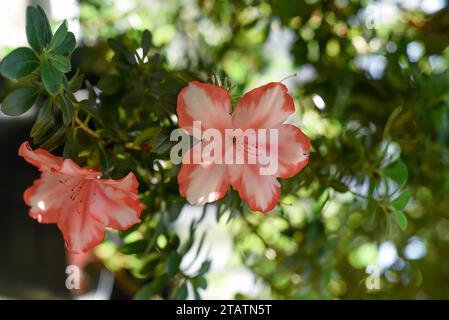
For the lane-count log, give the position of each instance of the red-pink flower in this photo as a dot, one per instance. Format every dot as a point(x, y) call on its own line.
point(266, 107)
point(78, 201)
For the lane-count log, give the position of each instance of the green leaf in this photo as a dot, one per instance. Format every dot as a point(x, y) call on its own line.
point(59, 36)
point(147, 135)
point(146, 42)
point(401, 219)
point(19, 101)
point(67, 46)
point(51, 78)
point(76, 82)
point(151, 289)
point(134, 247)
point(19, 63)
point(71, 144)
point(35, 29)
point(47, 28)
point(45, 122)
point(89, 108)
point(401, 202)
point(199, 282)
point(60, 62)
point(55, 140)
point(173, 262)
point(396, 171)
point(67, 110)
point(205, 266)
point(182, 292)
point(122, 51)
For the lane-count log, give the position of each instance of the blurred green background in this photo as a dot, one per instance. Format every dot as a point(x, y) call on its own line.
point(369, 216)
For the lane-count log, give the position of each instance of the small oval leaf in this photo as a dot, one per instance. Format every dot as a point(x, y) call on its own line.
point(19, 63)
point(401, 219)
point(51, 78)
point(19, 101)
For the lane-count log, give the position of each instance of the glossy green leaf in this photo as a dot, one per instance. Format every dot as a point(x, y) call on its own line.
point(68, 112)
point(60, 62)
point(19, 101)
point(401, 202)
point(71, 144)
point(59, 36)
point(400, 218)
point(151, 289)
point(134, 247)
point(205, 266)
point(51, 78)
point(147, 136)
point(182, 292)
point(67, 46)
point(19, 63)
point(56, 140)
point(35, 29)
point(47, 28)
point(397, 171)
point(146, 42)
point(45, 122)
point(173, 262)
point(76, 82)
point(200, 282)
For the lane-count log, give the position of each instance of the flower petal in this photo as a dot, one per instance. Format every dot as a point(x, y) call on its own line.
point(40, 158)
point(293, 150)
point(115, 202)
point(71, 168)
point(47, 195)
point(202, 183)
point(261, 192)
point(265, 107)
point(206, 103)
point(81, 228)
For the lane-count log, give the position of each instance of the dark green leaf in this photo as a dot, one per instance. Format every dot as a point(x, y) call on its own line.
point(51, 78)
point(175, 209)
point(151, 289)
point(19, 63)
point(45, 122)
point(35, 29)
point(47, 29)
point(401, 202)
point(147, 135)
point(67, 46)
point(67, 110)
point(205, 266)
point(146, 42)
point(397, 171)
point(134, 247)
point(19, 101)
point(199, 282)
point(76, 82)
point(122, 52)
point(55, 140)
point(59, 36)
point(71, 145)
point(182, 292)
point(87, 107)
point(173, 262)
point(401, 219)
point(60, 62)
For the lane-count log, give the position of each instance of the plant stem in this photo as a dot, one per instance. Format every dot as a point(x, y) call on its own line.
point(87, 129)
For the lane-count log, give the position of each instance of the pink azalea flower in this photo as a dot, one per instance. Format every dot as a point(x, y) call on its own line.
point(78, 201)
point(266, 107)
